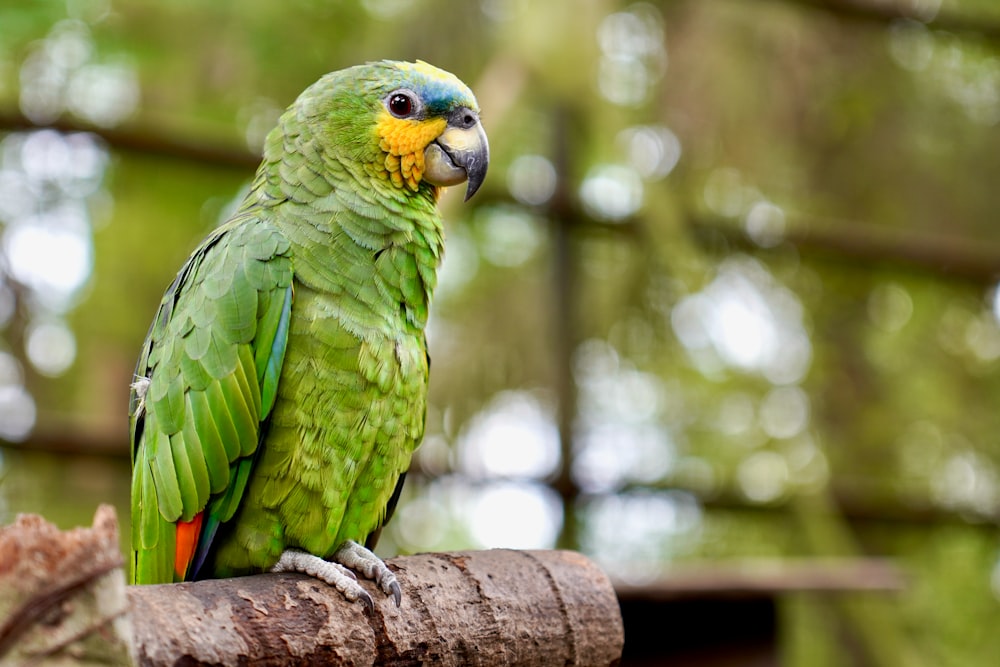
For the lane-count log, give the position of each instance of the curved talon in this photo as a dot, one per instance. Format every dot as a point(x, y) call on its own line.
point(356, 557)
point(387, 581)
point(366, 600)
point(396, 592)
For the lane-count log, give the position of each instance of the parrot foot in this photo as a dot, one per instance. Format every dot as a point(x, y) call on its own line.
point(334, 574)
point(358, 558)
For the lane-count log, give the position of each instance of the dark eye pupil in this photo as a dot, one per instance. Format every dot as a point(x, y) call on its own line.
point(400, 105)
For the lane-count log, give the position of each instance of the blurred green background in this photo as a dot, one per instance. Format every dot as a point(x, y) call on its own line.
point(730, 289)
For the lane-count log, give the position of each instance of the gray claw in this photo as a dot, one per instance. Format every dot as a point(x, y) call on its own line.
point(352, 555)
point(367, 601)
point(397, 594)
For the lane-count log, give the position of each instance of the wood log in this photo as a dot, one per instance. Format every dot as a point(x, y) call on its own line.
point(63, 601)
point(62, 594)
point(497, 607)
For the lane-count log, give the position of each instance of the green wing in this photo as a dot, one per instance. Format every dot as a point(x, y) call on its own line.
point(205, 382)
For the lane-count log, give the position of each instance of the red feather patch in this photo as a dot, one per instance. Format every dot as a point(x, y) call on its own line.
point(187, 540)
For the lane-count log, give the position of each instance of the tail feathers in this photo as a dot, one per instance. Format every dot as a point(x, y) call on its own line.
point(211, 527)
point(153, 562)
point(188, 534)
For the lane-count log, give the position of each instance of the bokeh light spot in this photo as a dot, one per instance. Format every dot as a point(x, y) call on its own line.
point(911, 44)
point(765, 224)
point(784, 412)
point(531, 179)
point(652, 150)
point(508, 235)
point(51, 348)
point(748, 321)
point(17, 413)
point(890, 307)
point(513, 436)
point(634, 56)
point(763, 476)
point(635, 534)
point(612, 192)
point(515, 516)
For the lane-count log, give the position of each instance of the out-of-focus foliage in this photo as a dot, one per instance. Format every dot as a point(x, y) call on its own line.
point(776, 221)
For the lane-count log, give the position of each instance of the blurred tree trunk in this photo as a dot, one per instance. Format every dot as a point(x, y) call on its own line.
point(564, 214)
point(868, 627)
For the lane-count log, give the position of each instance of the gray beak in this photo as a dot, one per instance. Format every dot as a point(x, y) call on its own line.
point(461, 153)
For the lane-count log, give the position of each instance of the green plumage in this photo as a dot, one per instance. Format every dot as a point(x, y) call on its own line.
point(282, 387)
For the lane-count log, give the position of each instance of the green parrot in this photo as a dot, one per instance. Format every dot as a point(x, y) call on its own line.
point(282, 387)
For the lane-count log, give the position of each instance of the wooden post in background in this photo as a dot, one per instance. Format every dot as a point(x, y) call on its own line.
point(62, 594)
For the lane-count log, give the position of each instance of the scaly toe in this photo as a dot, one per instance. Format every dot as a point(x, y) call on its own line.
point(358, 558)
point(333, 574)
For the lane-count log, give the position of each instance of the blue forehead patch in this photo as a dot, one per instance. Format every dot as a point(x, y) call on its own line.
point(440, 91)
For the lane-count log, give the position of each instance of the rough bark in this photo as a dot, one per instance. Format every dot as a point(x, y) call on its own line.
point(63, 601)
point(472, 608)
point(62, 594)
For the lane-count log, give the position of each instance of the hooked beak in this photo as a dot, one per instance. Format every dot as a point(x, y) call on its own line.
point(460, 153)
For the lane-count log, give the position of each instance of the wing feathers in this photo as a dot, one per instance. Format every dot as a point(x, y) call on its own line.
point(168, 493)
point(213, 358)
point(211, 450)
point(192, 475)
point(145, 530)
point(218, 404)
point(241, 409)
point(248, 383)
point(204, 423)
point(275, 359)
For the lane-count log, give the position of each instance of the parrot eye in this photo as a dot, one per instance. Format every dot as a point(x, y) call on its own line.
point(400, 105)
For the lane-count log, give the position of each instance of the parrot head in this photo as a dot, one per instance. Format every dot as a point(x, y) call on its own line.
point(405, 123)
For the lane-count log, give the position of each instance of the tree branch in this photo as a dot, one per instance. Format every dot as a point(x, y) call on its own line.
point(770, 577)
point(141, 140)
point(881, 13)
point(62, 597)
point(975, 261)
point(496, 607)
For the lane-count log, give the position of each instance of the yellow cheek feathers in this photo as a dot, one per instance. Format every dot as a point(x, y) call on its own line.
point(403, 142)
